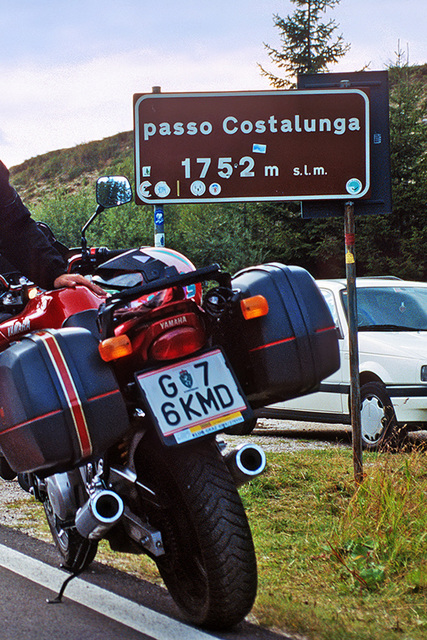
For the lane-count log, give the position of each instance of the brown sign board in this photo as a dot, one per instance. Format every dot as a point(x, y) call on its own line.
point(239, 147)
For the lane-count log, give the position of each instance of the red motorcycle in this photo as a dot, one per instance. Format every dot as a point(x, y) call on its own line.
point(110, 406)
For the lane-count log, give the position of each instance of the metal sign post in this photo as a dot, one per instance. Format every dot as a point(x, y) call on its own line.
point(350, 267)
point(159, 213)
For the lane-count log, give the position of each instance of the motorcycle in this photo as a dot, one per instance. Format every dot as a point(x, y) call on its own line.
point(110, 408)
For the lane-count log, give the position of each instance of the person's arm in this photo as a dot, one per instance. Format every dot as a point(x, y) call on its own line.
point(24, 245)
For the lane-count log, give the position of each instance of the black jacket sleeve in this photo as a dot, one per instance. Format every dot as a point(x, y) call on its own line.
point(21, 241)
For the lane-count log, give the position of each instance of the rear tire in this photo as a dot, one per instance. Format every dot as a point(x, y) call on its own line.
point(209, 566)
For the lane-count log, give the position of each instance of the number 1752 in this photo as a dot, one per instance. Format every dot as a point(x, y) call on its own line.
point(225, 167)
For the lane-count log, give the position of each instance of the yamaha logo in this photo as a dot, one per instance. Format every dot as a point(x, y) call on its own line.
point(173, 322)
point(18, 327)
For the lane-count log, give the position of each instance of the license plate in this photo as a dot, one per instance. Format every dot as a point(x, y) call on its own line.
point(193, 398)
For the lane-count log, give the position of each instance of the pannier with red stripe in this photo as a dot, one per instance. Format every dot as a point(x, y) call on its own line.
point(59, 402)
point(287, 352)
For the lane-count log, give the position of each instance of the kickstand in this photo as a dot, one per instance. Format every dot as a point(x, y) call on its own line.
point(58, 598)
point(76, 569)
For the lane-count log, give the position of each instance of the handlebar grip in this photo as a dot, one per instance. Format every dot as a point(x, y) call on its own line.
point(104, 252)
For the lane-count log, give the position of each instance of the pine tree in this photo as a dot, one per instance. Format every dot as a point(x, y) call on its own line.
point(307, 46)
point(408, 133)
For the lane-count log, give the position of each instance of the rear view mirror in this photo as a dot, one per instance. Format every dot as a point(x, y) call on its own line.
point(113, 191)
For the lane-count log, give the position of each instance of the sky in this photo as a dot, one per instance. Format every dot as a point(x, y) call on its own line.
point(69, 68)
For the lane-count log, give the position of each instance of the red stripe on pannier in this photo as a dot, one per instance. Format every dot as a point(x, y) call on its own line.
point(325, 329)
point(24, 424)
point(273, 344)
point(70, 392)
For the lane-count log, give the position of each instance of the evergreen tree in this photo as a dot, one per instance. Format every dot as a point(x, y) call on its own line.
point(395, 243)
point(408, 133)
point(306, 42)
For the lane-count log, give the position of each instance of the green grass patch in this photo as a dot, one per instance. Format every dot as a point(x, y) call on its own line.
point(334, 562)
point(338, 563)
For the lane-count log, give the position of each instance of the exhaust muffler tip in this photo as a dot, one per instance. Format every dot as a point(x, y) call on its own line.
point(101, 512)
point(245, 463)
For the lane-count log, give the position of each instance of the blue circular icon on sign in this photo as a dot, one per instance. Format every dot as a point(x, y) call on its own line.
point(354, 186)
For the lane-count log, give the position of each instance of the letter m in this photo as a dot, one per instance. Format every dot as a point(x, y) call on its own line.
point(207, 402)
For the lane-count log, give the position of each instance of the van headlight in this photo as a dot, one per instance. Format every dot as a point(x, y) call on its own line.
point(424, 373)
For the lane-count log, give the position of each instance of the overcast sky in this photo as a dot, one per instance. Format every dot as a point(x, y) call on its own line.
point(69, 68)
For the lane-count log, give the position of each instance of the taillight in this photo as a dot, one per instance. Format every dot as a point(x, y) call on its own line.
point(177, 343)
point(254, 307)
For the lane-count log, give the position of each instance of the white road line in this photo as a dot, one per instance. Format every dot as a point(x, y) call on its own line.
point(115, 607)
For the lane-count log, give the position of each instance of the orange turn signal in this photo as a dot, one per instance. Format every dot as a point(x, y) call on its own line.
point(254, 307)
point(115, 348)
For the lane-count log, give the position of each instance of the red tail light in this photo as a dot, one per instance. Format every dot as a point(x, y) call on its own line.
point(177, 343)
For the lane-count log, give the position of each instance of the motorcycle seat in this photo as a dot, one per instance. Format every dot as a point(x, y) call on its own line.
point(86, 319)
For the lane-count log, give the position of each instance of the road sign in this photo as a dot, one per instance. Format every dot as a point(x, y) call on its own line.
point(275, 145)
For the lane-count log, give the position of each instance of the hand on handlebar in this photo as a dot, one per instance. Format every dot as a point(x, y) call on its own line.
point(74, 279)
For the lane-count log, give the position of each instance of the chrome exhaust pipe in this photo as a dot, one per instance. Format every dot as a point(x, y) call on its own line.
point(101, 512)
point(245, 463)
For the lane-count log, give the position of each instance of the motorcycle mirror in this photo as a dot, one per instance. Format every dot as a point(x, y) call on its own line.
point(113, 191)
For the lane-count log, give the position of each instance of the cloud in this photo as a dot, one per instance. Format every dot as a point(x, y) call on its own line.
point(56, 107)
point(59, 87)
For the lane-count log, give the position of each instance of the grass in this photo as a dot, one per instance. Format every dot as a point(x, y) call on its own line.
point(335, 563)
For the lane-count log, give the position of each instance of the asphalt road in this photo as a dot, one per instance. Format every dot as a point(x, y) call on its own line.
point(102, 604)
point(108, 604)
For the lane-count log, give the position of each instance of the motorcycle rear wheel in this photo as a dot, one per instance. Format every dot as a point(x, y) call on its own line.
point(209, 567)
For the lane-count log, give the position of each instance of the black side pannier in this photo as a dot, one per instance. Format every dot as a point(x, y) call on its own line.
point(287, 352)
point(59, 402)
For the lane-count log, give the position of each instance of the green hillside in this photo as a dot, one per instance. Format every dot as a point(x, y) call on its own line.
point(74, 168)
